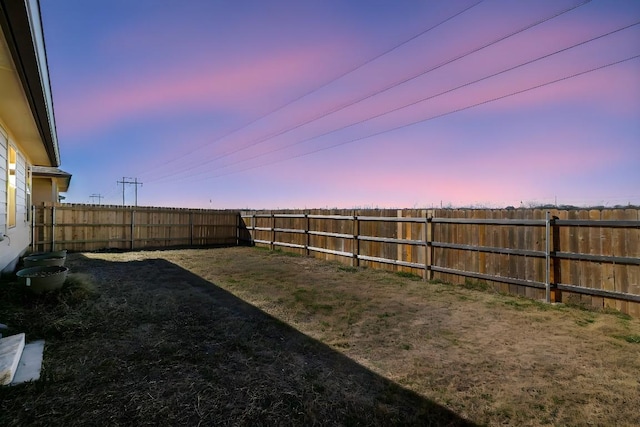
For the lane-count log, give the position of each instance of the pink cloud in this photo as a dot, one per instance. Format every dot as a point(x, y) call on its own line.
point(424, 168)
point(555, 141)
point(616, 86)
point(231, 86)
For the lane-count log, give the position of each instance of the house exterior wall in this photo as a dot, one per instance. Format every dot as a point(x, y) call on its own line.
point(4, 152)
point(44, 190)
point(27, 125)
point(15, 238)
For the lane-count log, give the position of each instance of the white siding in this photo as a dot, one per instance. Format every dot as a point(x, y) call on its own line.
point(3, 181)
point(21, 189)
point(18, 237)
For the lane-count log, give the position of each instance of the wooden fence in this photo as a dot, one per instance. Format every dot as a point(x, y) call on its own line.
point(589, 256)
point(585, 256)
point(78, 227)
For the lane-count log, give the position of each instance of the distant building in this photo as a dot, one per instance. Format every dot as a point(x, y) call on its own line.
point(29, 154)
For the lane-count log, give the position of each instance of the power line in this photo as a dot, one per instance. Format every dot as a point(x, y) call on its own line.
point(437, 95)
point(529, 62)
point(96, 196)
point(457, 110)
point(384, 89)
point(324, 85)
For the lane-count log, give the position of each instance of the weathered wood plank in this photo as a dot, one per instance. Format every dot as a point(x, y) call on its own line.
point(90, 227)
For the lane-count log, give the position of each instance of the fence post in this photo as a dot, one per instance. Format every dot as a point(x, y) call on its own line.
point(239, 227)
point(399, 235)
point(191, 228)
point(273, 231)
point(428, 247)
point(307, 228)
point(555, 247)
point(253, 228)
point(53, 228)
point(547, 253)
point(356, 241)
point(425, 239)
point(33, 228)
point(133, 215)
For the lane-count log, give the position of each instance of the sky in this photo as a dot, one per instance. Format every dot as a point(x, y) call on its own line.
point(347, 103)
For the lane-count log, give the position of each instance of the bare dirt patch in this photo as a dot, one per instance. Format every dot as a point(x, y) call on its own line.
point(246, 336)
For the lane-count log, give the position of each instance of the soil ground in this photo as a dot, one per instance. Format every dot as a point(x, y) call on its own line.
point(244, 336)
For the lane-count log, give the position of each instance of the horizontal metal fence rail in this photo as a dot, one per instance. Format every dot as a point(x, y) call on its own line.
point(540, 222)
point(390, 240)
point(329, 251)
point(429, 244)
point(391, 261)
point(329, 234)
point(490, 249)
point(289, 230)
point(511, 280)
point(326, 216)
point(390, 219)
point(598, 292)
point(597, 258)
point(598, 223)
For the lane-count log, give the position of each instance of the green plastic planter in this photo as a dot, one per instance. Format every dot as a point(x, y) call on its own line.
point(43, 279)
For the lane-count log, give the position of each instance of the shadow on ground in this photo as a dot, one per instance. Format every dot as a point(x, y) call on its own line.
point(159, 345)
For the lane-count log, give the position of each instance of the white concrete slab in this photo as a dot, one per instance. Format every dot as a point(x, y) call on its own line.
point(30, 363)
point(10, 352)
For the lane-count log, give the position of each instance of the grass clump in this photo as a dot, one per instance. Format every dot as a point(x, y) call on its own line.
point(278, 251)
point(523, 304)
point(77, 288)
point(617, 313)
point(308, 298)
point(408, 275)
point(475, 285)
point(632, 339)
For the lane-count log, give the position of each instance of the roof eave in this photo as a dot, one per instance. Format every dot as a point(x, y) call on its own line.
point(31, 65)
point(63, 178)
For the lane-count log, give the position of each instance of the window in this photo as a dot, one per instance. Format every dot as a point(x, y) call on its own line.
point(11, 190)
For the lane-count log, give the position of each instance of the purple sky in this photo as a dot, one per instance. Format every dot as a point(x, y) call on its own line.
point(359, 103)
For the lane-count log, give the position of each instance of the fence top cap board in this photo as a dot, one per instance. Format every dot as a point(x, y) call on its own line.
point(137, 208)
point(440, 211)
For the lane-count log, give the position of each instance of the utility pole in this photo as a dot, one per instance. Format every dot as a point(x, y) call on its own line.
point(122, 182)
point(96, 196)
point(134, 182)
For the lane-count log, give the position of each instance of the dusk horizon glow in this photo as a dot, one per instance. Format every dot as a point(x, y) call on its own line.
point(316, 104)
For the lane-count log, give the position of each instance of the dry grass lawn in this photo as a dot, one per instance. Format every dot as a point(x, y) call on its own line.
point(244, 336)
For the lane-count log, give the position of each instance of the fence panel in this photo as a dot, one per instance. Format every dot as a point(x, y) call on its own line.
point(78, 227)
point(591, 261)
